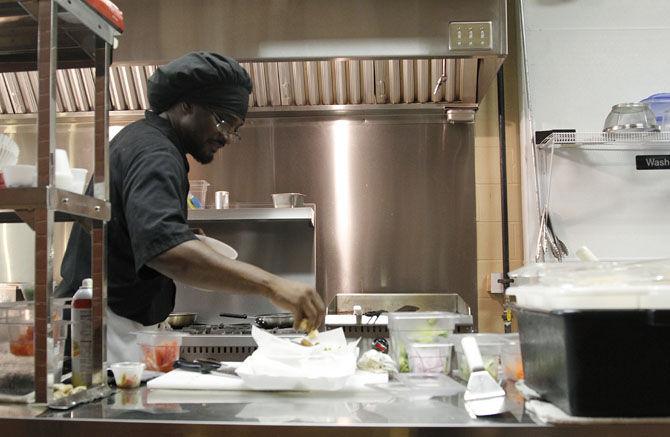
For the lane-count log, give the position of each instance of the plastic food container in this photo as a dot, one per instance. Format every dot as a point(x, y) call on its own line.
point(433, 327)
point(430, 357)
point(127, 374)
point(20, 175)
point(159, 349)
point(17, 354)
point(199, 189)
point(491, 348)
point(512, 363)
point(594, 337)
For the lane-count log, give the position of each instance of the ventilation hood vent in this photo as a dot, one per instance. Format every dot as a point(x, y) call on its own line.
point(301, 54)
point(276, 84)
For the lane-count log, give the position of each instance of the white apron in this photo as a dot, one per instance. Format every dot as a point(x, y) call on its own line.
point(121, 344)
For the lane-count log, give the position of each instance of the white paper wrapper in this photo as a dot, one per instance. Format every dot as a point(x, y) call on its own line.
point(280, 364)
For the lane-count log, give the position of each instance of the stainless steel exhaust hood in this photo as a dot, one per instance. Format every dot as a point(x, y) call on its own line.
point(300, 53)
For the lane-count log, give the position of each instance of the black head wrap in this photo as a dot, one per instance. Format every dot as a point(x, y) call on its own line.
point(207, 79)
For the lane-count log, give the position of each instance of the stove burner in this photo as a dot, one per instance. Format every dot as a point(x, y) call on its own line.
point(228, 329)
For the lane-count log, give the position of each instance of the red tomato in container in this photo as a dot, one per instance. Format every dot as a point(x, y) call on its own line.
point(161, 357)
point(23, 345)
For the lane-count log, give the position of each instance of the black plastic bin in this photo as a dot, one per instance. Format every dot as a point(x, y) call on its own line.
point(598, 363)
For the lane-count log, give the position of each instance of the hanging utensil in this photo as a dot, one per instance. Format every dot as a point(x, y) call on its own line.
point(561, 246)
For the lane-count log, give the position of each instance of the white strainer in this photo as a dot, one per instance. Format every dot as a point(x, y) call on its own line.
point(9, 151)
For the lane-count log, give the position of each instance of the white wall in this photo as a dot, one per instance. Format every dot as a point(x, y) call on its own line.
point(582, 57)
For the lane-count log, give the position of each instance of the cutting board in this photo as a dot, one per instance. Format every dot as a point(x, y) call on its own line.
point(185, 380)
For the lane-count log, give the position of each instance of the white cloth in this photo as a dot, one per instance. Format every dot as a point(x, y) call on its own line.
point(121, 343)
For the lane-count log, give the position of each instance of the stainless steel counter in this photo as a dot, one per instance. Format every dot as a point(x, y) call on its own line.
point(373, 413)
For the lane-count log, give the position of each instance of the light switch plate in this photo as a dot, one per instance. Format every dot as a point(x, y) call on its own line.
point(470, 35)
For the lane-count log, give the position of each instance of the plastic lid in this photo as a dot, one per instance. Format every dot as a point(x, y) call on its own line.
point(593, 285)
point(87, 283)
point(638, 273)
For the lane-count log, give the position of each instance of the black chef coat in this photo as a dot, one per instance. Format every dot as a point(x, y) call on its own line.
point(148, 190)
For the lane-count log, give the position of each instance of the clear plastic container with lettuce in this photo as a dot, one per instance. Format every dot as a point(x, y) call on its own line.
point(409, 330)
point(492, 348)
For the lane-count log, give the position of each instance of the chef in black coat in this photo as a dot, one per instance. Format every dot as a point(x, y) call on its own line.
point(198, 103)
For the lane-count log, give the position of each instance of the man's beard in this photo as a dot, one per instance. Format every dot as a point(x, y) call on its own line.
point(202, 155)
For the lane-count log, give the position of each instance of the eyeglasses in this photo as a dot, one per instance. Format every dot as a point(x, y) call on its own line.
point(226, 129)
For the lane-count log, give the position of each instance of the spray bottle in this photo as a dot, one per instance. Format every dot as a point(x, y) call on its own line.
point(82, 335)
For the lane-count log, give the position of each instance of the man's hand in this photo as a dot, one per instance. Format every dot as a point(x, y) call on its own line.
point(301, 299)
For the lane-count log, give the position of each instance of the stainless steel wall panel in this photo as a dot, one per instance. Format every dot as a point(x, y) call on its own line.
point(159, 30)
point(312, 68)
point(326, 82)
point(394, 82)
point(382, 81)
point(285, 83)
point(423, 85)
point(246, 170)
point(407, 75)
point(298, 77)
point(394, 196)
point(128, 87)
point(65, 91)
point(354, 81)
point(368, 72)
point(26, 89)
point(260, 84)
point(140, 82)
point(263, 244)
point(273, 84)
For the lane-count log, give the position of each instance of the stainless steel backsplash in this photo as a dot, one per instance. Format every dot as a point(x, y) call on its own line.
point(395, 195)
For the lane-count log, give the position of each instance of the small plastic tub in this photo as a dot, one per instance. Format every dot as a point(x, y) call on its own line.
point(198, 188)
point(430, 357)
point(511, 362)
point(127, 374)
point(160, 349)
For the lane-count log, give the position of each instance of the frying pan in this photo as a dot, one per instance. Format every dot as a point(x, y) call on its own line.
point(266, 321)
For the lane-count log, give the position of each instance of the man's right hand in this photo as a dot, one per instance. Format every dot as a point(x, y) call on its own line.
point(301, 299)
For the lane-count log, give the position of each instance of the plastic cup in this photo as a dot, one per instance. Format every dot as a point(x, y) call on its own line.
point(221, 200)
point(127, 374)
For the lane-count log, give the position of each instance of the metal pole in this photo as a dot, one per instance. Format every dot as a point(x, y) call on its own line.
point(507, 315)
point(44, 215)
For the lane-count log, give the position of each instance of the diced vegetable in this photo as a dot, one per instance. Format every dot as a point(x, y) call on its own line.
point(23, 346)
point(161, 357)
